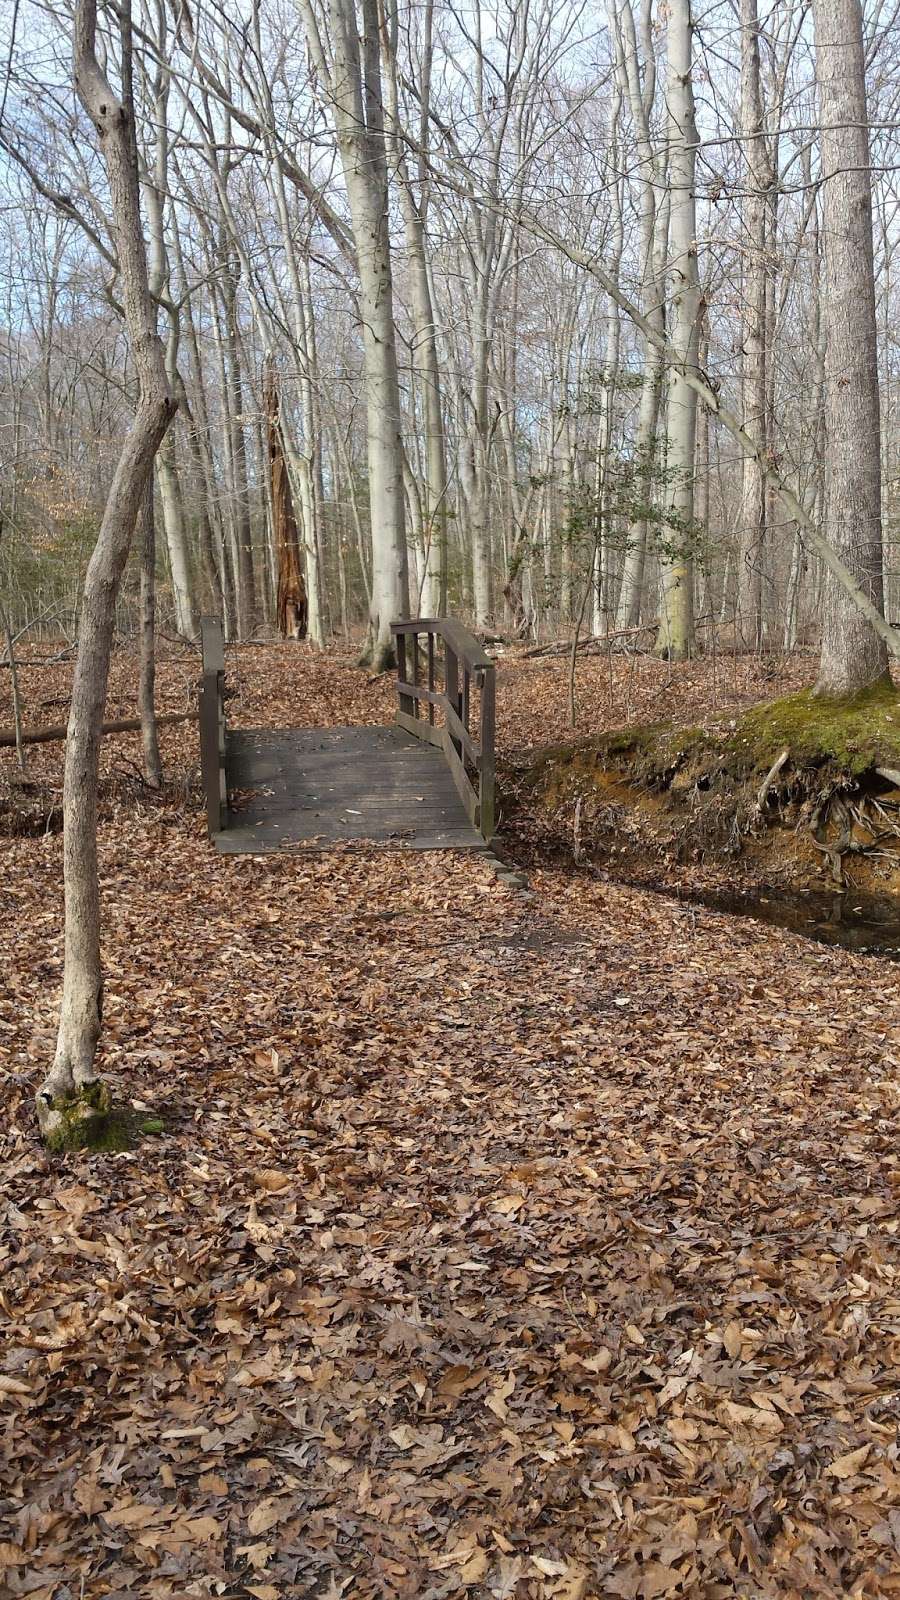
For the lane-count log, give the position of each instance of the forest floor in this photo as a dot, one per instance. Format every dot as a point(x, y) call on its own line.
point(499, 1243)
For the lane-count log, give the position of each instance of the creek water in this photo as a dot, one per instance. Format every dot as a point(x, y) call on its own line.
point(868, 924)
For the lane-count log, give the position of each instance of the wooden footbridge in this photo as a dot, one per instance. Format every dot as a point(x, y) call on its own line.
point(426, 782)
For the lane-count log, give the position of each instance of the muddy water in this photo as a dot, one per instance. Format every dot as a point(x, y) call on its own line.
point(868, 924)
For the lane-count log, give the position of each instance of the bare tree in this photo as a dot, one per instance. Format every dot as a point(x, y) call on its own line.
point(854, 656)
point(348, 67)
point(70, 1088)
point(676, 627)
point(754, 386)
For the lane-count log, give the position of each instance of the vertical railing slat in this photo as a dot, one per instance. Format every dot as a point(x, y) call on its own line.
point(451, 680)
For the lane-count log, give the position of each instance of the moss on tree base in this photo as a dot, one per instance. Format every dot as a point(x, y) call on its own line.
point(88, 1120)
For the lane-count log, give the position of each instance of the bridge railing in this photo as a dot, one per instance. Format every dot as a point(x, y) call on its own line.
point(212, 723)
point(436, 683)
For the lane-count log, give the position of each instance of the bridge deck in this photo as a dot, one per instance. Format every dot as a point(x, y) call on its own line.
point(316, 787)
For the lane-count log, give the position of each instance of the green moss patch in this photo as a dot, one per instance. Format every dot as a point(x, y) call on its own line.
point(852, 736)
point(848, 737)
point(90, 1121)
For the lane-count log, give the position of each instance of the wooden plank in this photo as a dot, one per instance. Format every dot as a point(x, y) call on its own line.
point(458, 727)
point(384, 785)
point(237, 843)
point(407, 704)
point(417, 625)
point(418, 691)
point(421, 730)
point(464, 644)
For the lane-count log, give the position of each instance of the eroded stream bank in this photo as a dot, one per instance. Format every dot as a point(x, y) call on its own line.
point(789, 814)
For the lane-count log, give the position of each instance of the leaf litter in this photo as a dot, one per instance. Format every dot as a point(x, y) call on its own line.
point(498, 1244)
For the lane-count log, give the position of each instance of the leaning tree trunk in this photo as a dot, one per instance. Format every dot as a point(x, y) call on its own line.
point(853, 655)
point(72, 1077)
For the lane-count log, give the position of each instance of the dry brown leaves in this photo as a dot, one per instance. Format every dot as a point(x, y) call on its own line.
point(532, 1245)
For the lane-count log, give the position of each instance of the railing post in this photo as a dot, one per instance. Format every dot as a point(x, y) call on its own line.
point(431, 675)
point(487, 819)
point(407, 703)
point(414, 672)
point(212, 724)
point(451, 688)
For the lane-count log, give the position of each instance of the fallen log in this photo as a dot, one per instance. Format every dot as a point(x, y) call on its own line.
point(591, 644)
point(57, 734)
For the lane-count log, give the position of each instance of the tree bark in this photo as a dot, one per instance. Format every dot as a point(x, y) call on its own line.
point(156, 190)
point(853, 656)
point(752, 516)
point(352, 77)
point(676, 628)
point(291, 607)
point(81, 1006)
point(172, 504)
point(637, 72)
point(147, 674)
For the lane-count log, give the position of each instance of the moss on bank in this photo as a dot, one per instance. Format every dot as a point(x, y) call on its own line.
point(848, 737)
point(700, 793)
point(852, 736)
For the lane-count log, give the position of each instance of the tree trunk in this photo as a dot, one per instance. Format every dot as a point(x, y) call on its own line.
point(248, 615)
point(636, 69)
point(353, 77)
point(172, 504)
point(147, 674)
point(676, 628)
point(291, 609)
point(72, 1074)
point(752, 515)
point(853, 656)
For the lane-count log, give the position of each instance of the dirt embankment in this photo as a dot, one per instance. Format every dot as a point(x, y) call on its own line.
point(797, 791)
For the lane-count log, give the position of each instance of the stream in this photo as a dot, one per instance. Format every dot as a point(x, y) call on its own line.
point(867, 924)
